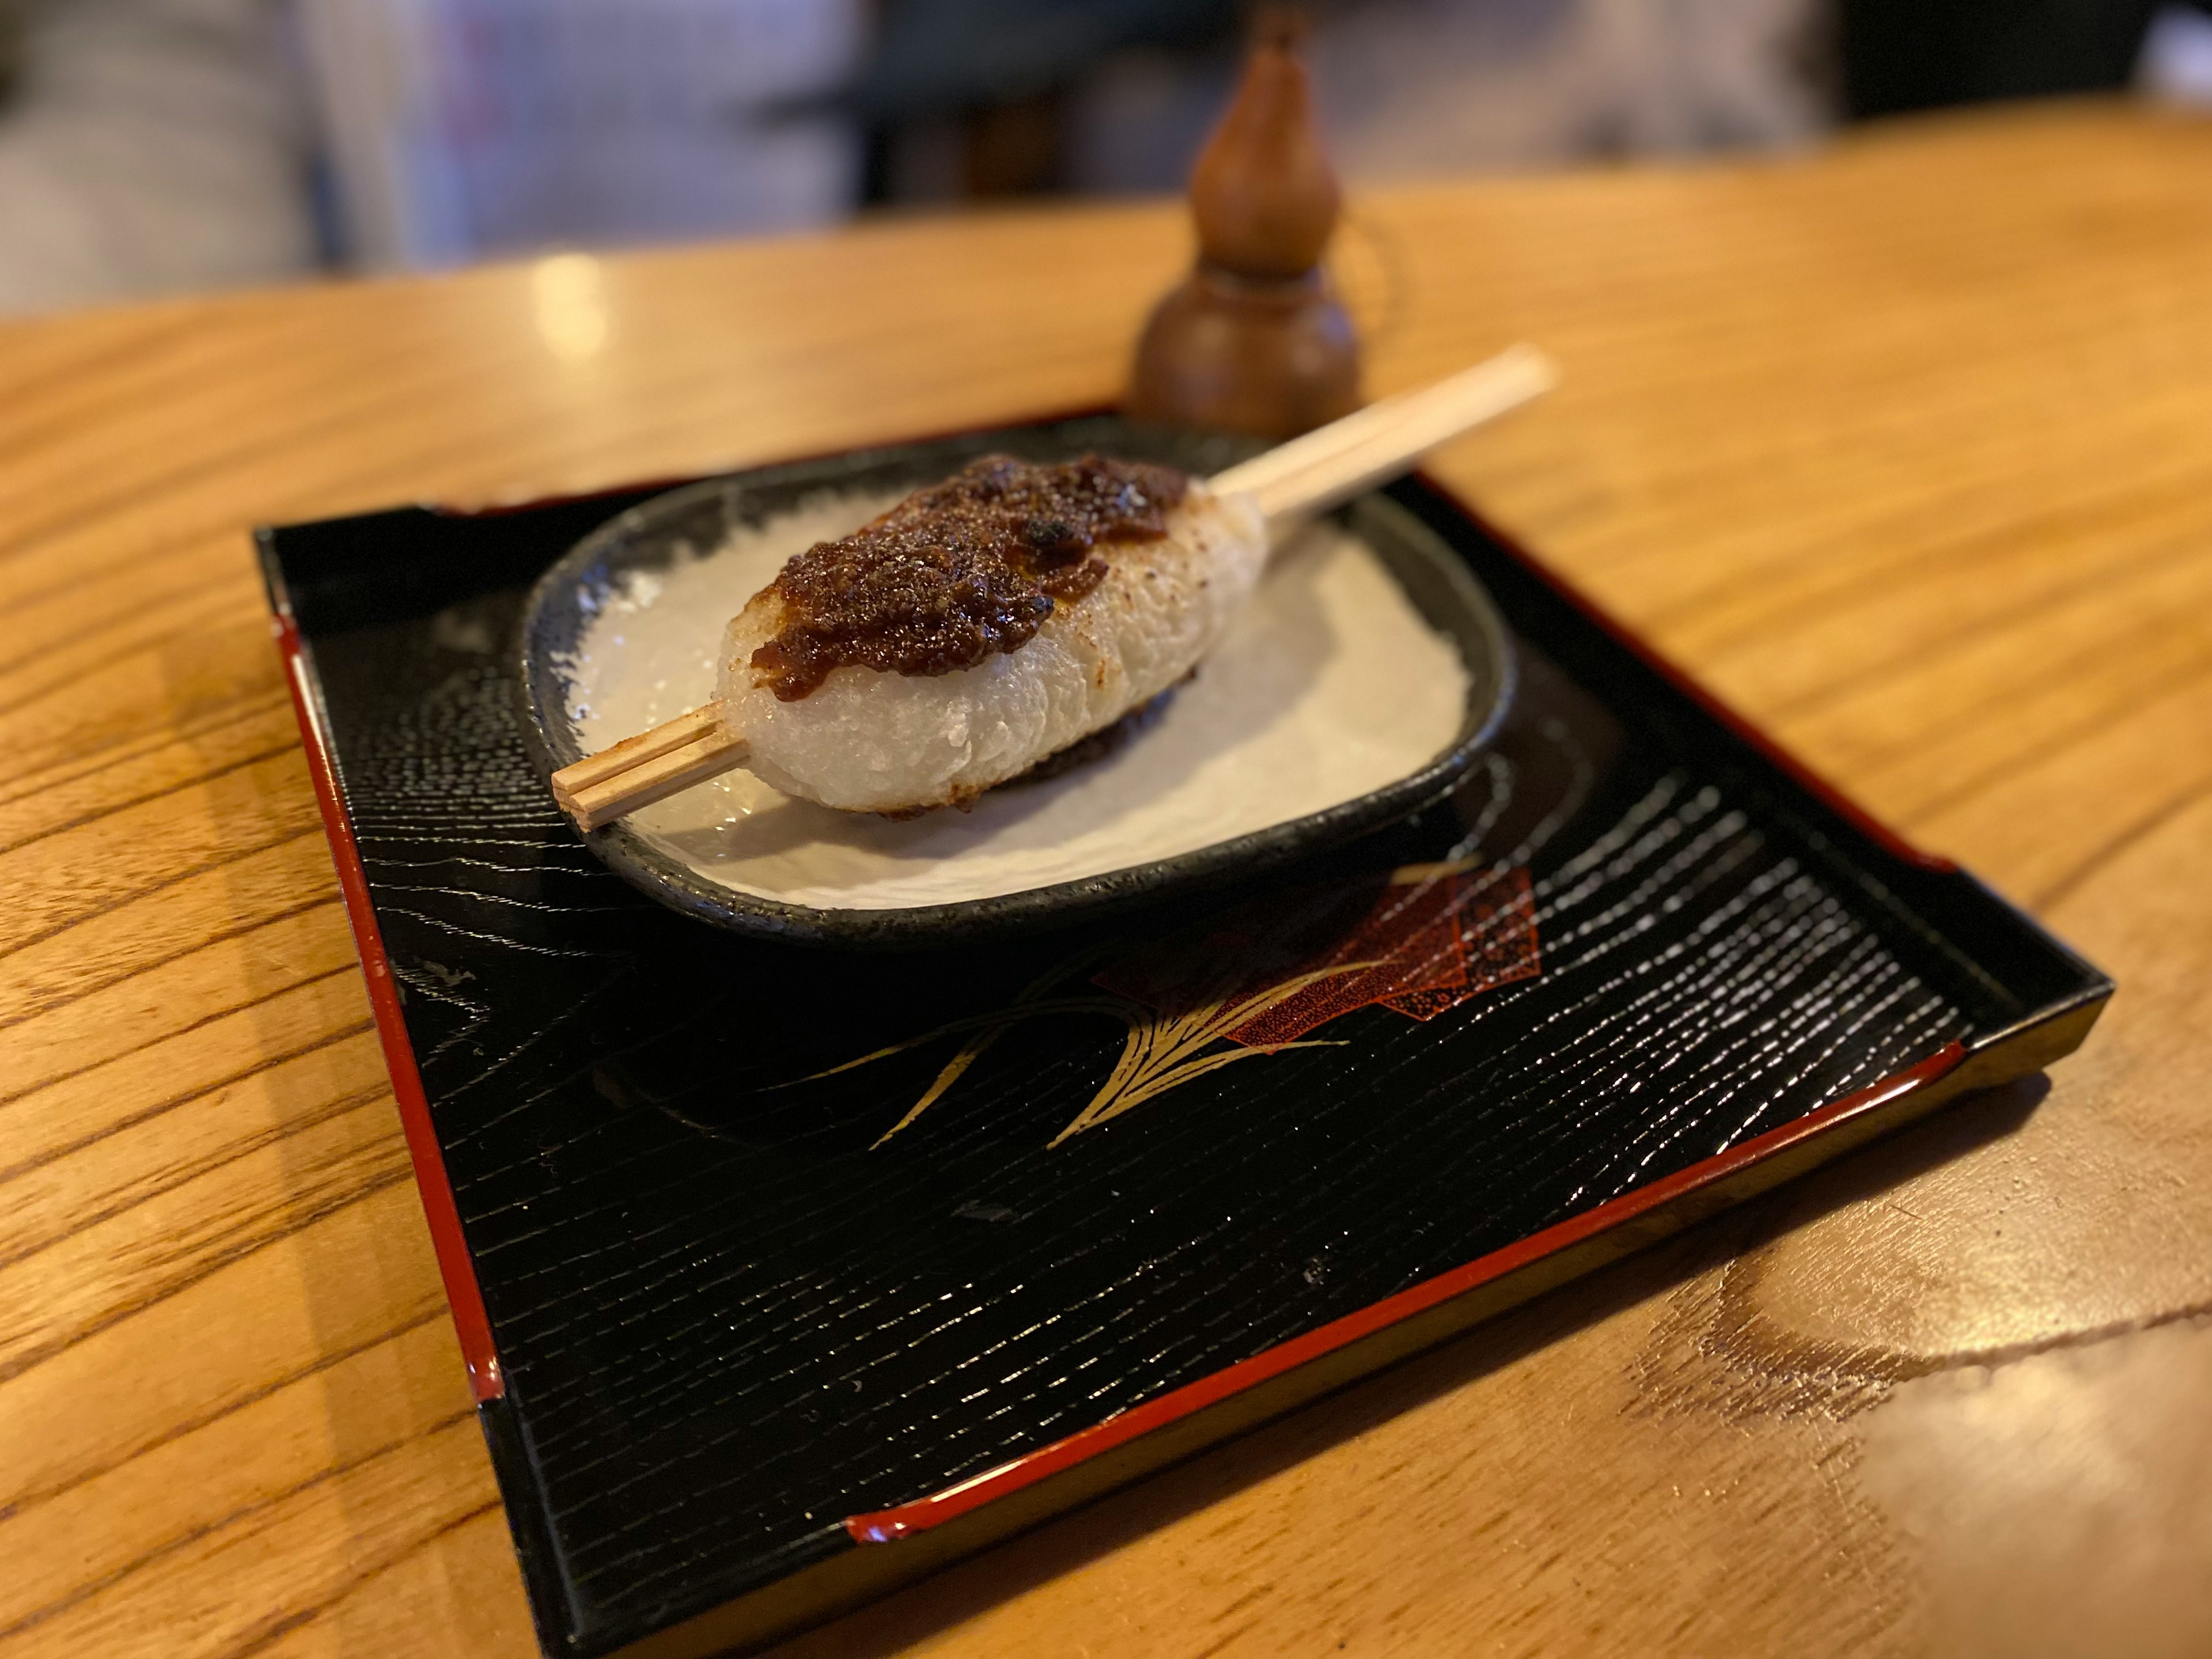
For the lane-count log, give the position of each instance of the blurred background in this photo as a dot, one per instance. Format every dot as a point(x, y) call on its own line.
point(163, 146)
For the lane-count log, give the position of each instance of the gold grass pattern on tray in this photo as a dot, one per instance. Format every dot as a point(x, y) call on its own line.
point(1260, 978)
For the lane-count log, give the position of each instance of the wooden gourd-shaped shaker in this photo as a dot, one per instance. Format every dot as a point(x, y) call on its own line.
point(1253, 340)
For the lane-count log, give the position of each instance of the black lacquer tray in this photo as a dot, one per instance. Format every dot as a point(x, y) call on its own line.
point(785, 1276)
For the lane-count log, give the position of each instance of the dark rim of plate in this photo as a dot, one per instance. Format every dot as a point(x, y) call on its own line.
point(651, 533)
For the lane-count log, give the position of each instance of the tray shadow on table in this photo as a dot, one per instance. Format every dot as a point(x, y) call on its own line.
point(1661, 1274)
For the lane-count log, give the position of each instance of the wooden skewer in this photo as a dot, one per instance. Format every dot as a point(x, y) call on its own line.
point(1333, 463)
point(668, 759)
point(1306, 475)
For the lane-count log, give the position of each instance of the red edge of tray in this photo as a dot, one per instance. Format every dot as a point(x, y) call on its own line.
point(884, 1525)
point(470, 1323)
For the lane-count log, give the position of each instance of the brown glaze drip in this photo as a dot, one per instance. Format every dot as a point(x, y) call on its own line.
point(960, 571)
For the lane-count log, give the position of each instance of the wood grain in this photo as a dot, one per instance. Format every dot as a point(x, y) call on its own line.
point(1901, 445)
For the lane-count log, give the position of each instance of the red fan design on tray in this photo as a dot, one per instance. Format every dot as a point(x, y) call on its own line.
point(1421, 944)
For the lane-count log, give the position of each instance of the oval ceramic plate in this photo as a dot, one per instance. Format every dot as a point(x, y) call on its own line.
point(1366, 678)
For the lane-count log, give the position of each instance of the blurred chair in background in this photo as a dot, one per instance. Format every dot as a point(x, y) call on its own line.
point(457, 130)
point(967, 97)
point(1413, 86)
point(1901, 54)
point(991, 97)
point(981, 97)
point(153, 146)
point(150, 146)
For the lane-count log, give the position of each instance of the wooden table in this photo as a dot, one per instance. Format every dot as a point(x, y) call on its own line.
point(1906, 446)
